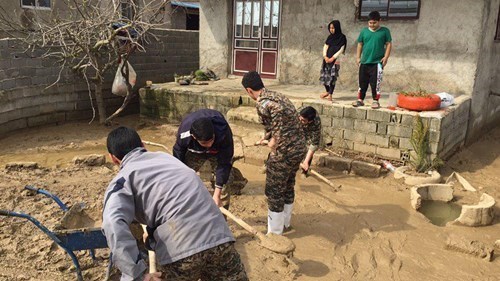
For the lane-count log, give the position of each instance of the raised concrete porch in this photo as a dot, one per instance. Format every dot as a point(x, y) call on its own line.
point(382, 132)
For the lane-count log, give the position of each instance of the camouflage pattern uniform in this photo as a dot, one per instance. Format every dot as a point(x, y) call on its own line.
point(234, 184)
point(281, 121)
point(312, 132)
point(206, 265)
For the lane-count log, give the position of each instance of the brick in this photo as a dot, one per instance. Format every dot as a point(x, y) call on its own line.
point(378, 115)
point(365, 169)
point(365, 126)
point(355, 113)
point(399, 131)
point(326, 121)
point(337, 163)
point(354, 136)
point(392, 153)
point(365, 148)
point(344, 123)
point(382, 128)
point(381, 141)
point(334, 110)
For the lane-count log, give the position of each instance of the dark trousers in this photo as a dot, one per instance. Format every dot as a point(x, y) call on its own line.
point(330, 88)
point(370, 74)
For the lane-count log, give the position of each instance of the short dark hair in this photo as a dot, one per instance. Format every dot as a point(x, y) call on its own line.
point(374, 15)
point(122, 140)
point(308, 113)
point(202, 129)
point(252, 80)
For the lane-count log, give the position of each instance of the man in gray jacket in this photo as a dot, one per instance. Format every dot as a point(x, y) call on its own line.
point(186, 230)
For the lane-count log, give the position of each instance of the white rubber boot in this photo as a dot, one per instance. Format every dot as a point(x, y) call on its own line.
point(288, 214)
point(275, 222)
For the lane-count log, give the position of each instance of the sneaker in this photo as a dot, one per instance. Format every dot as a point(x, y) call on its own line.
point(358, 103)
point(375, 105)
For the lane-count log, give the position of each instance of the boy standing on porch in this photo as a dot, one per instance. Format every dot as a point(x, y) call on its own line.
point(374, 49)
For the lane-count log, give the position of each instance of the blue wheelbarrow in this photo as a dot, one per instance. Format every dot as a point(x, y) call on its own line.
point(69, 240)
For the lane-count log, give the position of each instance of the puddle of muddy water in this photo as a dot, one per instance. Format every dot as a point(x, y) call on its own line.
point(439, 212)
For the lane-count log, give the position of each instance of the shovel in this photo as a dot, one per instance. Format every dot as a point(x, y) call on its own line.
point(276, 243)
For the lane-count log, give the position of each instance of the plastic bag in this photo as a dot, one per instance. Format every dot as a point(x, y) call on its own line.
point(446, 99)
point(119, 87)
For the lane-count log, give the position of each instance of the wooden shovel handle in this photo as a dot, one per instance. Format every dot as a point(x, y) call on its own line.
point(151, 255)
point(319, 176)
point(239, 221)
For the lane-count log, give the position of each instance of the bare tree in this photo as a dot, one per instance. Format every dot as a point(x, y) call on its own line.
point(89, 37)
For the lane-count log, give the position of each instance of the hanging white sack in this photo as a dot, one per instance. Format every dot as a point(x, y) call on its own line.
point(119, 87)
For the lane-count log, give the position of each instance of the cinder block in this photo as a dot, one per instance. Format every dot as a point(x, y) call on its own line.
point(365, 126)
point(333, 132)
point(365, 169)
point(435, 124)
point(13, 125)
point(326, 121)
point(404, 144)
point(365, 148)
point(399, 131)
point(334, 110)
point(355, 113)
point(392, 153)
point(393, 142)
point(337, 163)
point(395, 118)
point(37, 120)
point(354, 136)
point(380, 115)
point(434, 136)
point(381, 141)
point(408, 120)
point(382, 128)
point(344, 123)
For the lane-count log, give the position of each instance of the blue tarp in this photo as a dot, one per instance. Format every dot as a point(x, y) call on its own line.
point(192, 5)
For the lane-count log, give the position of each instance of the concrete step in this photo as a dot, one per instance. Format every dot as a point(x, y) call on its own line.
point(246, 114)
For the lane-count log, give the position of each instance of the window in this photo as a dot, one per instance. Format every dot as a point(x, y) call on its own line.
point(36, 4)
point(497, 34)
point(390, 9)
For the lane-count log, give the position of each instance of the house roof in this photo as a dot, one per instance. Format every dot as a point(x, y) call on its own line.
point(192, 5)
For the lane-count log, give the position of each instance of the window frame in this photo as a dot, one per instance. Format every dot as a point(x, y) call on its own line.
point(497, 33)
point(36, 6)
point(386, 18)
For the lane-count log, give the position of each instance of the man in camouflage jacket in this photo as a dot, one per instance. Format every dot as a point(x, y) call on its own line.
point(288, 148)
point(311, 124)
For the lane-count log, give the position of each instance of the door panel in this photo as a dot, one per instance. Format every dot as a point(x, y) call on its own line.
point(256, 36)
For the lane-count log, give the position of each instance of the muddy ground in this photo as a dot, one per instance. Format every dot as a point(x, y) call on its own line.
point(365, 231)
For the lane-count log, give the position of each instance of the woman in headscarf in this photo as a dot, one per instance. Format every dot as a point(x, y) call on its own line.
point(335, 45)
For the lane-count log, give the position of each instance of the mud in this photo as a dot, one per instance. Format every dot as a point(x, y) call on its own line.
point(365, 231)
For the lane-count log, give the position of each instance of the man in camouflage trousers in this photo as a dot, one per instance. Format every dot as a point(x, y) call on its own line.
point(311, 124)
point(288, 148)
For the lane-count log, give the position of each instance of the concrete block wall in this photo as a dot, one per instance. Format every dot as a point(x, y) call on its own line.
point(25, 100)
point(382, 132)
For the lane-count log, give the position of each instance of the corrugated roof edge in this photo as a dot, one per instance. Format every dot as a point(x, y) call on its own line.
point(192, 5)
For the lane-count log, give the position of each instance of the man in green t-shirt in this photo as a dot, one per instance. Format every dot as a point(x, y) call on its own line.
point(374, 49)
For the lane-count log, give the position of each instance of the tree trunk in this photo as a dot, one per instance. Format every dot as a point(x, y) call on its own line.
point(101, 108)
